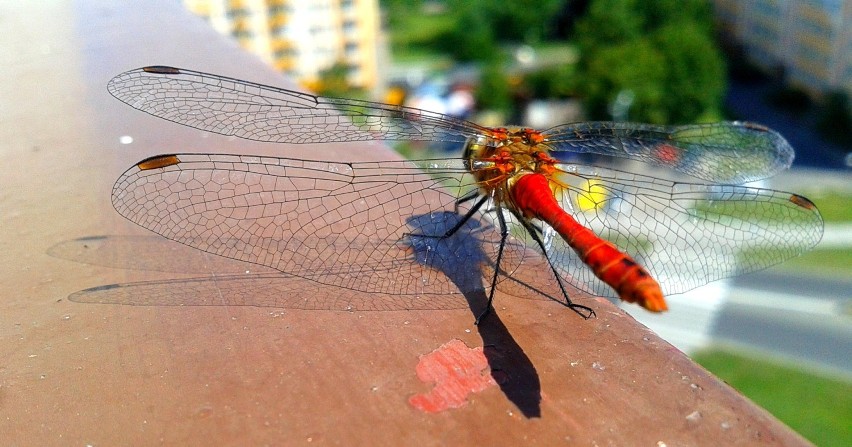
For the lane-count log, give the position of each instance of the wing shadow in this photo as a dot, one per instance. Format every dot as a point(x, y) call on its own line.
point(225, 282)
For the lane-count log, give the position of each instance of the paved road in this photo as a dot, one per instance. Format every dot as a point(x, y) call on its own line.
point(798, 317)
point(801, 318)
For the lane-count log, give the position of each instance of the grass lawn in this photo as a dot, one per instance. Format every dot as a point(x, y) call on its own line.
point(826, 262)
point(822, 262)
point(829, 262)
point(835, 206)
point(817, 407)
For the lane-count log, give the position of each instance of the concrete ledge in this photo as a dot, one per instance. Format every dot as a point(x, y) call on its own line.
point(191, 370)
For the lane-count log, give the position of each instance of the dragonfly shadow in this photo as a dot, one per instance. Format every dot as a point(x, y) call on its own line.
point(222, 281)
point(460, 257)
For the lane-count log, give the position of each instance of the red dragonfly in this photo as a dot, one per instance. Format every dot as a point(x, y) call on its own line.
point(412, 228)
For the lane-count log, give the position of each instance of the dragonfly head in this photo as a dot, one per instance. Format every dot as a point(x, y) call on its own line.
point(480, 146)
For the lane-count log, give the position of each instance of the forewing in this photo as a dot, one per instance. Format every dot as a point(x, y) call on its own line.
point(371, 227)
point(727, 152)
point(258, 112)
point(685, 234)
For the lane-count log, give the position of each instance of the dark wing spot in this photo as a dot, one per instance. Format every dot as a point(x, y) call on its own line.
point(161, 69)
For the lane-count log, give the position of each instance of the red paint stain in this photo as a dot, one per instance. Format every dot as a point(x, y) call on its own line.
point(457, 371)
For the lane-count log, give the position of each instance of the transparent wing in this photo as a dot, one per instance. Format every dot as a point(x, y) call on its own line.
point(732, 152)
point(685, 234)
point(369, 227)
point(258, 112)
point(728, 152)
point(374, 227)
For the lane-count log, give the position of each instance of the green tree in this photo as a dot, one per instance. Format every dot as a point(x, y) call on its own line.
point(493, 92)
point(834, 118)
point(481, 25)
point(397, 9)
point(334, 82)
point(695, 73)
point(644, 78)
point(662, 51)
point(526, 21)
point(472, 38)
point(557, 81)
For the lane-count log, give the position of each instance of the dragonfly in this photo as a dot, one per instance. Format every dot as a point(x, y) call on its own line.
point(413, 228)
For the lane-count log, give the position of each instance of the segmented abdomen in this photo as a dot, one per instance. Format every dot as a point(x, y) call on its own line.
point(533, 197)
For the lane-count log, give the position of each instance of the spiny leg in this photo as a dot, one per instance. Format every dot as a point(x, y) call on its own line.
point(504, 234)
point(467, 198)
point(535, 233)
point(461, 222)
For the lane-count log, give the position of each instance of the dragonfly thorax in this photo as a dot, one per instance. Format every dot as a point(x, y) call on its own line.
point(497, 160)
point(522, 140)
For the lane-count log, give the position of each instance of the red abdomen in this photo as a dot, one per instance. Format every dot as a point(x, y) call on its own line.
point(533, 197)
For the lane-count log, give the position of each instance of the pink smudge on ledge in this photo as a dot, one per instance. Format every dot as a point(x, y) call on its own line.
point(457, 371)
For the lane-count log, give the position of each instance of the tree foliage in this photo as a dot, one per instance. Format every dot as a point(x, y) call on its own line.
point(834, 118)
point(473, 37)
point(557, 81)
point(662, 51)
point(334, 82)
point(643, 76)
point(527, 21)
point(481, 25)
point(493, 92)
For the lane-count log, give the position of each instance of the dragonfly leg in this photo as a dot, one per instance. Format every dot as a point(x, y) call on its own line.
point(467, 198)
point(460, 223)
point(473, 210)
point(504, 233)
point(535, 232)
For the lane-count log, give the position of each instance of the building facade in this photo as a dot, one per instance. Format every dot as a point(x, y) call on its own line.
point(809, 40)
point(302, 38)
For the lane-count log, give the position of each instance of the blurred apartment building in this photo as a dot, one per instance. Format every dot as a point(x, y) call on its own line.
point(301, 38)
point(809, 41)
